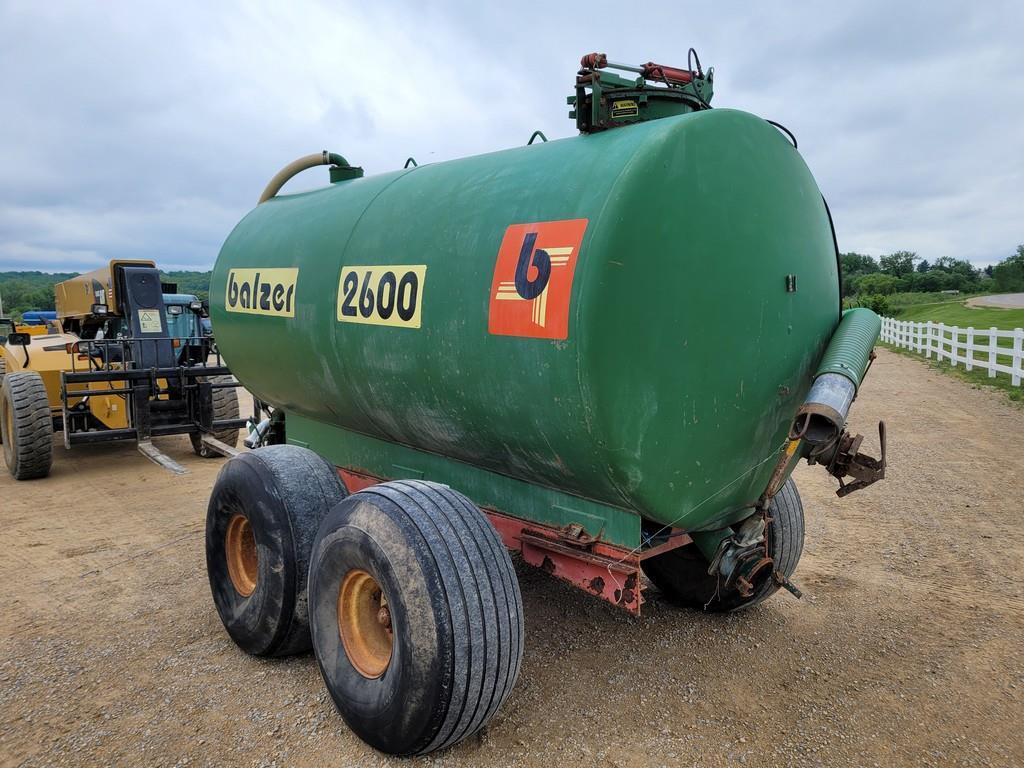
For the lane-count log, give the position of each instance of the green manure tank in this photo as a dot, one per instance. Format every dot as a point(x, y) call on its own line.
point(661, 364)
point(616, 344)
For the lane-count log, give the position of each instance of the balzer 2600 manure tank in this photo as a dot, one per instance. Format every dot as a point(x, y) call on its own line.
point(605, 353)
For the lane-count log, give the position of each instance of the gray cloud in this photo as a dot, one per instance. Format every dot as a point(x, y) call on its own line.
point(145, 130)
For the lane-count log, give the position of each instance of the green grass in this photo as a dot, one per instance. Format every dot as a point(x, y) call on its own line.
point(956, 312)
point(959, 314)
point(900, 301)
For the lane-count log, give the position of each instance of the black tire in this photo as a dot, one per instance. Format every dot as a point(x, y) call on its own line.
point(681, 574)
point(26, 424)
point(3, 370)
point(282, 492)
point(456, 615)
point(225, 406)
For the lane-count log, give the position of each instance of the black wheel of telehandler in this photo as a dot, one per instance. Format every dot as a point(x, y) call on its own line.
point(225, 406)
point(3, 370)
point(260, 525)
point(26, 425)
point(681, 574)
point(416, 616)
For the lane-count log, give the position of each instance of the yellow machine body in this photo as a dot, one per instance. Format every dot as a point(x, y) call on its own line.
point(77, 295)
point(48, 355)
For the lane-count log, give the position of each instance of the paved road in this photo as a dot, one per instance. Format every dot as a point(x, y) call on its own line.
point(1004, 300)
point(906, 649)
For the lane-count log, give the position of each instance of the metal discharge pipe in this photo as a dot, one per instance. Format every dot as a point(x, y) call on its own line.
point(822, 416)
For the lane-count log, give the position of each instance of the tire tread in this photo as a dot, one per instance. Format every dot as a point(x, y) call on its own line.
point(33, 425)
point(295, 488)
point(481, 591)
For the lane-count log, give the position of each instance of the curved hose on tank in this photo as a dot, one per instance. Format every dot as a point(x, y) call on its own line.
point(296, 167)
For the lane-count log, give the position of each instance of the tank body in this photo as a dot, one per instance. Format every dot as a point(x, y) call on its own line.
point(660, 374)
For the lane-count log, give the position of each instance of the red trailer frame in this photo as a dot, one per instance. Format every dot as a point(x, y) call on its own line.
point(604, 570)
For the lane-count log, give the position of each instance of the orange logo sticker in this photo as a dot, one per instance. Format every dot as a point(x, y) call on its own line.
point(532, 282)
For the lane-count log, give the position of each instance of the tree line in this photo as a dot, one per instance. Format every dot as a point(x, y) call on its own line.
point(870, 282)
point(867, 281)
point(22, 291)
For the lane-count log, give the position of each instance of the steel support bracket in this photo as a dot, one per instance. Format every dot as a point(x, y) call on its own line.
point(849, 461)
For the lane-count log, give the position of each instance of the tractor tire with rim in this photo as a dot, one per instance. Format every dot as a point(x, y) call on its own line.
point(26, 424)
point(681, 574)
point(225, 406)
point(416, 616)
point(260, 525)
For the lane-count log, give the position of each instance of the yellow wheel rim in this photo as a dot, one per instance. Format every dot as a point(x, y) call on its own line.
point(364, 624)
point(240, 549)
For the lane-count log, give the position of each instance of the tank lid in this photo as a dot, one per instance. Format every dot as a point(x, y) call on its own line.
point(344, 173)
point(604, 100)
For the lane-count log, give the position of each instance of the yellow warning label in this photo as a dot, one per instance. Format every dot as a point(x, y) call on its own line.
point(625, 108)
point(149, 321)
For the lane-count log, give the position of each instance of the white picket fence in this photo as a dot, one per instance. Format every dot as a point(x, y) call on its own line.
point(973, 347)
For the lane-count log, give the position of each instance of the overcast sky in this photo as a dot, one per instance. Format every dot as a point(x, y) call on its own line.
point(144, 129)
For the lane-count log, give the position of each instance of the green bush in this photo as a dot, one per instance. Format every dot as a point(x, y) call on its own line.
point(876, 302)
point(877, 283)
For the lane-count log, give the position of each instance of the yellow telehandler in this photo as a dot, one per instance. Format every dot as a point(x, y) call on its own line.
point(126, 359)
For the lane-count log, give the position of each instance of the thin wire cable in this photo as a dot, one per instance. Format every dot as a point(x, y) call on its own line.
point(785, 130)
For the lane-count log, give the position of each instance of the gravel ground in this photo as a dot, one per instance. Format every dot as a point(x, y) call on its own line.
point(906, 649)
point(1004, 300)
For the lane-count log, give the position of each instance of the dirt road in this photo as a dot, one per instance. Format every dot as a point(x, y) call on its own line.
point(1004, 300)
point(906, 650)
